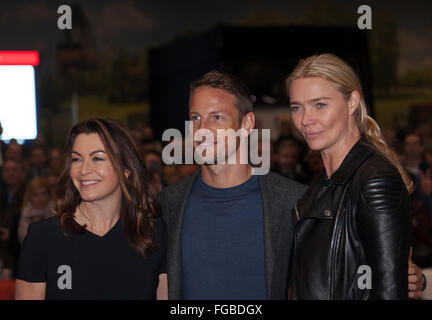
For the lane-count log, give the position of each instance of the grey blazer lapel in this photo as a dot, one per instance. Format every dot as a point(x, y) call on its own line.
point(273, 207)
point(178, 207)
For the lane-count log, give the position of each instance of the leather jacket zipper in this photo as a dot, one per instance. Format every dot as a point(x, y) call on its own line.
point(297, 213)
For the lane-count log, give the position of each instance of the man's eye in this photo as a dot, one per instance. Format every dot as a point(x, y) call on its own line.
point(294, 108)
point(320, 105)
point(218, 117)
point(193, 118)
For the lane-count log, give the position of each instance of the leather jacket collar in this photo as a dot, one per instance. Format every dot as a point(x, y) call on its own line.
point(357, 155)
point(321, 208)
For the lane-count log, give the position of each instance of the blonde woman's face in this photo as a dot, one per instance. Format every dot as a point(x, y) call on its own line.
point(320, 113)
point(40, 197)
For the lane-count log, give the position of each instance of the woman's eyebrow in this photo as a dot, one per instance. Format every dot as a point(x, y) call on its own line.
point(96, 151)
point(91, 153)
point(320, 98)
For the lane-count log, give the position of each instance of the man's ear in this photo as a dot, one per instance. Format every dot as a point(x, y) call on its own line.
point(248, 121)
point(353, 102)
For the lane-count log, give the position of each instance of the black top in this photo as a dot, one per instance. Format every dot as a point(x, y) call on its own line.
point(89, 266)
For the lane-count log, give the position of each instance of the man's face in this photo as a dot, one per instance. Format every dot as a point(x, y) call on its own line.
point(213, 109)
point(38, 157)
point(13, 173)
point(14, 153)
point(56, 160)
point(412, 146)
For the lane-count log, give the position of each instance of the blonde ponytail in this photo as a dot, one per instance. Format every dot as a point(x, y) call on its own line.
point(373, 135)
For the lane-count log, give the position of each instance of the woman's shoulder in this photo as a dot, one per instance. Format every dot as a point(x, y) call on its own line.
point(377, 166)
point(45, 228)
point(380, 184)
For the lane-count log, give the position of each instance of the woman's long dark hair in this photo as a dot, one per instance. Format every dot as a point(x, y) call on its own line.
point(139, 207)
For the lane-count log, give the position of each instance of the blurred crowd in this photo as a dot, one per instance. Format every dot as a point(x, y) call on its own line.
point(30, 174)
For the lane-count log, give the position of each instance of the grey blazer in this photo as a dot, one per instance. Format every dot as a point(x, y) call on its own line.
point(279, 196)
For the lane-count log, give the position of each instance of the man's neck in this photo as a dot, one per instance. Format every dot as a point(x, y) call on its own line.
point(225, 175)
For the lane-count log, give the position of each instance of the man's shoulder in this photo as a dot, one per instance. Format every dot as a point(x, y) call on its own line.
point(275, 180)
point(177, 188)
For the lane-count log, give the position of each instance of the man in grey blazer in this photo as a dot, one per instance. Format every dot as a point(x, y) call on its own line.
point(229, 231)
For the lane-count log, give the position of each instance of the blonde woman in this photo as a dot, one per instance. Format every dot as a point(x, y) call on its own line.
point(352, 227)
point(37, 205)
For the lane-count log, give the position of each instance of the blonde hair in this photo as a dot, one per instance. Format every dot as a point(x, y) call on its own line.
point(345, 80)
point(38, 182)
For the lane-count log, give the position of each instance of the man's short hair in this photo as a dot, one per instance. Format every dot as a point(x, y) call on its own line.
point(228, 83)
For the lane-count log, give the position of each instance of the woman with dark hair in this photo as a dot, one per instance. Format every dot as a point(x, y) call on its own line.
point(353, 225)
point(107, 240)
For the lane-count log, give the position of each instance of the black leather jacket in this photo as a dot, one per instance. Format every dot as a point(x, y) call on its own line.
point(362, 218)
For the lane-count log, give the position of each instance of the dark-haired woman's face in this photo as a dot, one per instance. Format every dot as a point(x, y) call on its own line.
point(92, 171)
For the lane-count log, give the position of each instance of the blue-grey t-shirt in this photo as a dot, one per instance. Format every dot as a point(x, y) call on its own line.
point(223, 242)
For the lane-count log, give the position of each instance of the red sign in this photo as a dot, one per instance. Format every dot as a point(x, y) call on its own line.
point(19, 58)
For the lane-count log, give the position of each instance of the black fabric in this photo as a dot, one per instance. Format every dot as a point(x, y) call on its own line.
point(363, 218)
point(104, 267)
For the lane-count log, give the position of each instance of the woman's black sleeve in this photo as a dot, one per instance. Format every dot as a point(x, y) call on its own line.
point(162, 235)
point(32, 260)
point(384, 222)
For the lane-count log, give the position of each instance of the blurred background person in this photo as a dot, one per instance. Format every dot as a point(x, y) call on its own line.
point(422, 220)
point(428, 157)
point(2, 148)
point(413, 153)
point(11, 199)
point(38, 163)
point(415, 164)
point(153, 161)
point(145, 135)
point(53, 179)
point(38, 204)
point(289, 155)
point(314, 164)
point(14, 152)
point(56, 160)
